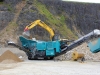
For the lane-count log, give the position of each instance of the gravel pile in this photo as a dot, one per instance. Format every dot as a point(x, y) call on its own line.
point(8, 57)
point(89, 56)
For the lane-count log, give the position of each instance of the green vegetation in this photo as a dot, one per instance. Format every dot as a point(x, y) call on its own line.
point(62, 19)
point(44, 11)
point(56, 24)
point(8, 29)
point(13, 24)
point(1, 2)
point(10, 8)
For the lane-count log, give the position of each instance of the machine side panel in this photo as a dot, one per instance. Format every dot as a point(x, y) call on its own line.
point(50, 49)
point(41, 45)
point(26, 43)
point(56, 45)
point(53, 47)
point(94, 46)
point(50, 52)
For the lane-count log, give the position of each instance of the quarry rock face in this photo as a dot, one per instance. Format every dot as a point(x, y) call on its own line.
point(78, 16)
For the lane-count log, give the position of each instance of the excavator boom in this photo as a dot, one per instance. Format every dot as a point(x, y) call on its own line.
point(42, 24)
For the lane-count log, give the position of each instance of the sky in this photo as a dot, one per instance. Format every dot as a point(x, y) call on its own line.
point(87, 1)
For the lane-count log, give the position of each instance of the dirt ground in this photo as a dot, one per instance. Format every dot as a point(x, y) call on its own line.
point(50, 68)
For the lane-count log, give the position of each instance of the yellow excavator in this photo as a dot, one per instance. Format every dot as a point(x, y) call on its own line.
point(36, 49)
point(42, 24)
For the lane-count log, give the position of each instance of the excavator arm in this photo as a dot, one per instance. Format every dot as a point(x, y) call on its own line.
point(42, 24)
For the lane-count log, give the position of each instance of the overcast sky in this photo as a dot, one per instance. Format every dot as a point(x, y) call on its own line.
point(88, 1)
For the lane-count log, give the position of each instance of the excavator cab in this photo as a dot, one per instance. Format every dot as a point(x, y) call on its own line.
point(56, 37)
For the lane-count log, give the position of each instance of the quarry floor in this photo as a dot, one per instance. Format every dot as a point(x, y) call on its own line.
point(47, 67)
point(44, 67)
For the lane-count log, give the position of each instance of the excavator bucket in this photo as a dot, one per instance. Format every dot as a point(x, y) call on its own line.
point(94, 46)
point(26, 33)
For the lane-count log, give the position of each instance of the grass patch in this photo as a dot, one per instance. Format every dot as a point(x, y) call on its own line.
point(55, 23)
point(1, 3)
point(9, 29)
point(13, 24)
point(9, 7)
point(44, 11)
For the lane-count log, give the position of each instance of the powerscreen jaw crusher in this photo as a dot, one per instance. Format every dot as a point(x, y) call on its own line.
point(36, 49)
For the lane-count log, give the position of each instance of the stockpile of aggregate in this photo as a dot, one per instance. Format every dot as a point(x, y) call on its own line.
point(9, 57)
point(89, 56)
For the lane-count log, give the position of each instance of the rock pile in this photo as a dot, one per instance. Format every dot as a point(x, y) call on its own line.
point(9, 57)
point(89, 56)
